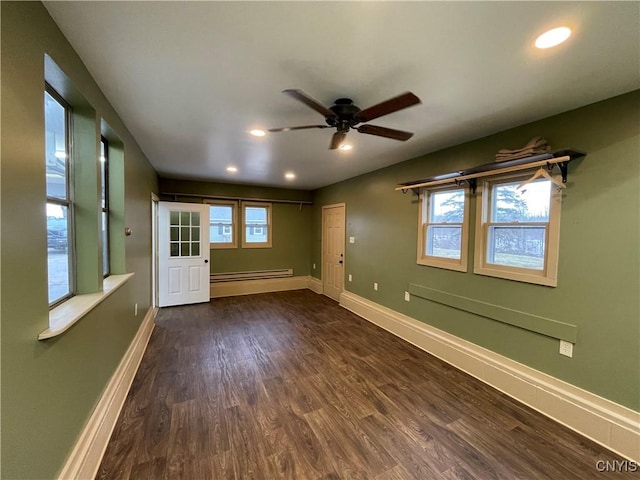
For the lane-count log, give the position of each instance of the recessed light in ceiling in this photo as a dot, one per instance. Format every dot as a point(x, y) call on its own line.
point(232, 169)
point(289, 175)
point(258, 133)
point(553, 37)
point(345, 147)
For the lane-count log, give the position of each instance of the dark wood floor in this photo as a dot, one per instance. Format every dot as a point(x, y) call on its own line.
point(290, 385)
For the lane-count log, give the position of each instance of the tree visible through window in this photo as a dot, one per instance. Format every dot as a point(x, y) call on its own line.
point(444, 226)
point(517, 234)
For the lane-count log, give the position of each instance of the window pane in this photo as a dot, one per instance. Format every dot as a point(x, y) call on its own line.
point(447, 206)
point(444, 241)
point(255, 215)
point(103, 173)
point(58, 252)
point(220, 224)
point(516, 246)
point(257, 234)
point(105, 244)
point(530, 204)
point(56, 151)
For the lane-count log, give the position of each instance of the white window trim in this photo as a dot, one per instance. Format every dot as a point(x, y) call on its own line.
point(268, 243)
point(65, 315)
point(461, 264)
point(234, 224)
point(547, 276)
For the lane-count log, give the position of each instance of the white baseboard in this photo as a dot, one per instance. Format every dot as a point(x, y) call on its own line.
point(603, 421)
point(315, 285)
point(85, 458)
point(249, 287)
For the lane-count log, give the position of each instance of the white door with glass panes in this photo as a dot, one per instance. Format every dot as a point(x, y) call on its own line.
point(183, 253)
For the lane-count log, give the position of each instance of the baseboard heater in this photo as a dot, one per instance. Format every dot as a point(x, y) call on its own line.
point(251, 275)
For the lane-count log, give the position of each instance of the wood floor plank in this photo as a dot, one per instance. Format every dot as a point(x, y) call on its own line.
point(291, 386)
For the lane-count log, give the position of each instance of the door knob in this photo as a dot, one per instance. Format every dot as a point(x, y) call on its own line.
point(206, 261)
point(340, 262)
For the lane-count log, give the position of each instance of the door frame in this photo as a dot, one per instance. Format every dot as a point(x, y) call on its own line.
point(344, 247)
point(155, 199)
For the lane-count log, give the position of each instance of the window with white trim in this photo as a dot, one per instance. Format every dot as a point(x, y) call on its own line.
point(59, 211)
point(518, 230)
point(222, 224)
point(256, 218)
point(444, 228)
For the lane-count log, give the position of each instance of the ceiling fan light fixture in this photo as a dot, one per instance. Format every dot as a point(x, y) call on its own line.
point(345, 147)
point(232, 169)
point(289, 175)
point(258, 133)
point(553, 37)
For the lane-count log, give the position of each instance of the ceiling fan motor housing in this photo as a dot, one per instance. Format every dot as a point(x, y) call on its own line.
point(345, 112)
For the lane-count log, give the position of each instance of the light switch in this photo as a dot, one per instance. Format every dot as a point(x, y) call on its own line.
point(352, 239)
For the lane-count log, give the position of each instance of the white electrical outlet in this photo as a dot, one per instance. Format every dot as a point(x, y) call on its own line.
point(566, 348)
point(135, 310)
point(314, 266)
point(407, 296)
point(350, 278)
point(375, 286)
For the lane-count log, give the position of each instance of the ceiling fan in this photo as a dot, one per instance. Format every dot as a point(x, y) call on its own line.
point(344, 115)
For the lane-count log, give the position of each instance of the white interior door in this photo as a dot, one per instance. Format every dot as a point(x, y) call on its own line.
point(183, 253)
point(333, 218)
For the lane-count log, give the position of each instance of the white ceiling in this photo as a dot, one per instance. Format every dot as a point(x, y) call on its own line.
point(190, 79)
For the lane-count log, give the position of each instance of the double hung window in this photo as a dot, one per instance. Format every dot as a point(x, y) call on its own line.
point(256, 218)
point(222, 225)
point(443, 229)
point(518, 230)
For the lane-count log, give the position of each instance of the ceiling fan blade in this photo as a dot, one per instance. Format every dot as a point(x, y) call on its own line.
point(385, 132)
point(337, 140)
point(309, 102)
point(392, 105)
point(286, 129)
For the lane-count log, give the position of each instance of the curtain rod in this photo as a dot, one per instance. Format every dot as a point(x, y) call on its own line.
point(244, 199)
point(497, 171)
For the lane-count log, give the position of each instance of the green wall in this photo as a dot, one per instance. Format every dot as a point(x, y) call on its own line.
point(49, 388)
point(291, 238)
point(598, 273)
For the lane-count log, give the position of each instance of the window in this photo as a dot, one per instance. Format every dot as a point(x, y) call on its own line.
point(184, 234)
point(59, 209)
point(517, 230)
point(222, 225)
point(444, 225)
point(257, 225)
point(104, 189)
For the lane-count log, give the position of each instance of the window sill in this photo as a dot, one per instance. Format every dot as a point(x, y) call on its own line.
point(68, 313)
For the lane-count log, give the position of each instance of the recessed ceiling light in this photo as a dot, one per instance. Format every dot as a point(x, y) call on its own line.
point(553, 37)
point(232, 169)
point(258, 133)
point(345, 147)
point(289, 175)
